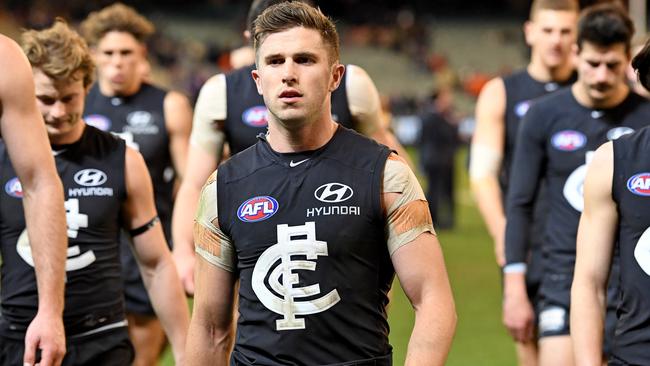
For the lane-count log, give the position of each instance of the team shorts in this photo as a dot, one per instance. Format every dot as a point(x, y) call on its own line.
point(553, 312)
point(109, 348)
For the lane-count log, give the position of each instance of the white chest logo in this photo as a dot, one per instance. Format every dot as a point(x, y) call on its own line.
point(139, 118)
point(292, 241)
point(333, 193)
point(90, 177)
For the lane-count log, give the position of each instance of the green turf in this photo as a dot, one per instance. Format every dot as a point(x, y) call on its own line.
point(480, 337)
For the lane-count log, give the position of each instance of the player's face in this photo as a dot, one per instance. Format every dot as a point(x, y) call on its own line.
point(62, 104)
point(295, 76)
point(601, 71)
point(119, 58)
point(551, 33)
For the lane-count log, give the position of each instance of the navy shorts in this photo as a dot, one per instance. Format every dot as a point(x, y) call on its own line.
point(109, 348)
point(553, 311)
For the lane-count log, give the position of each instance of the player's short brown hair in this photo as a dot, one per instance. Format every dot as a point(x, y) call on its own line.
point(290, 14)
point(558, 5)
point(117, 17)
point(605, 25)
point(59, 52)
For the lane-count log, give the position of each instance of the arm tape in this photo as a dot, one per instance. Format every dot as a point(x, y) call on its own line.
point(144, 228)
point(485, 161)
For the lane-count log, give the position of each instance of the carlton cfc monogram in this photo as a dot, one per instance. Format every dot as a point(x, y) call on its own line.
point(282, 278)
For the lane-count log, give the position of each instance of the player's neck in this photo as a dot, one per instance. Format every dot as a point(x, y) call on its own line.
point(582, 96)
point(542, 73)
point(107, 90)
point(309, 136)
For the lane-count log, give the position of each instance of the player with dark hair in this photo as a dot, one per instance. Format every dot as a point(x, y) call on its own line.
point(230, 110)
point(314, 245)
point(155, 122)
point(503, 102)
point(556, 142)
point(616, 218)
point(25, 141)
point(107, 186)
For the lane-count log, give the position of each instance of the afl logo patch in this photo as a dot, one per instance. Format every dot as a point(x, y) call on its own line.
point(90, 177)
point(522, 107)
point(14, 188)
point(617, 132)
point(257, 209)
point(639, 184)
point(98, 121)
point(255, 116)
point(333, 193)
point(568, 140)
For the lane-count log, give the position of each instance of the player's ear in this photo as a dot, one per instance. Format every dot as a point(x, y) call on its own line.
point(258, 80)
point(529, 32)
point(338, 70)
point(575, 52)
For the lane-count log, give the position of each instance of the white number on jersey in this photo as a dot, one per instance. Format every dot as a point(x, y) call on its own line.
point(574, 185)
point(75, 220)
point(128, 138)
point(642, 251)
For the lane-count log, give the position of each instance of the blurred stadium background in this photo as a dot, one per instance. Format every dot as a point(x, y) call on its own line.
point(410, 49)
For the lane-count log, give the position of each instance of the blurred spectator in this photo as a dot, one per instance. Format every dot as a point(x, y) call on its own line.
point(438, 143)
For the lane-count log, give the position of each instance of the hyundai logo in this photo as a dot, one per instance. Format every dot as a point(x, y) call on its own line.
point(90, 177)
point(333, 193)
point(139, 118)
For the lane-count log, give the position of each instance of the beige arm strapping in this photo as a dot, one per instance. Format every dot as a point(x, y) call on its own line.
point(409, 215)
point(210, 107)
point(210, 242)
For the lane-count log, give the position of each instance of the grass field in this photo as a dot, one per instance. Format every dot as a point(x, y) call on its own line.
point(480, 338)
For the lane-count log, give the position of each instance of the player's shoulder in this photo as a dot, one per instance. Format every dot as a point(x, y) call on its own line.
point(518, 77)
point(239, 74)
point(100, 143)
point(553, 104)
point(638, 103)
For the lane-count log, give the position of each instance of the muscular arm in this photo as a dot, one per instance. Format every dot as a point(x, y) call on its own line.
point(419, 264)
point(154, 259)
point(23, 131)
point(365, 107)
point(596, 236)
point(210, 333)
point(525, 178)
point(206, 145)
point(178, 120)
point(485, 162)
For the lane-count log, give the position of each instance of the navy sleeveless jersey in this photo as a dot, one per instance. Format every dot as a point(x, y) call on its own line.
point(140, 120)
point(311, 252)
point(631, 192)
point(521, 92)
point(92, 171)
point(246, 111)
point(557, 137)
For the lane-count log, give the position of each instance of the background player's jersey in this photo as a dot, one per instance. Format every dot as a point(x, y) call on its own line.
point(631, 192)
point(140, 120)
point(246, 111)
point(311, 252)
point(557, 137)
point(92, 172)
point(521, 92)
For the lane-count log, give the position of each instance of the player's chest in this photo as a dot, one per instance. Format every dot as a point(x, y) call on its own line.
point(316, 213)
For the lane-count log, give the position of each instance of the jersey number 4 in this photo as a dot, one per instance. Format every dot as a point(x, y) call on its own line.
point(76, 220)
